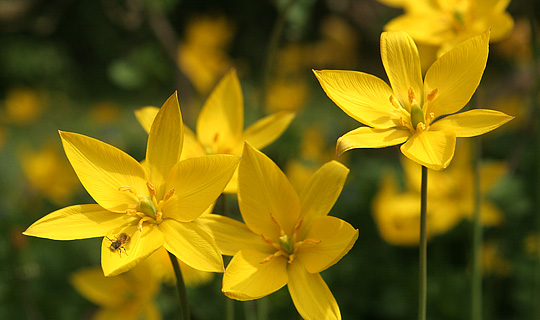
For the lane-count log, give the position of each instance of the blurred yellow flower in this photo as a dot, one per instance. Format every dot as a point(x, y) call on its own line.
point(105, 112)
point(492, 260)
point(447, 23)
point(418, 113)
point(161, 266)
point(23, 106)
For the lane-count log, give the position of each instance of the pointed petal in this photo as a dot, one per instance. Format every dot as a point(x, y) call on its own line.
point(246, 278)
point(141, 244)
point(197, 182)
point(472, 123)
point(456, 75)
point(268, 129)
point(402, 64)
point(265, 191)
point(230, 235)
point(221, 121)
point(424, 27)
point(232, 186)
point(102, 169)
point(191, 147)
point(363, 97)
point(146, 116)
point(192, 245)
point(78, 222)
point(321, 192)
point(337, 238)
point(164, 143)
point(311, 295)
point(366, 137)
point(432, 149)
point(103, 291)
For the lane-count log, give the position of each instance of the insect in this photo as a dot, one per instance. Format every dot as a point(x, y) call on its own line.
point(118, 243)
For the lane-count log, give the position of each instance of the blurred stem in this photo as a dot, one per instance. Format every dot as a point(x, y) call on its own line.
point(422, 268)
point(229, 305)
point(476, 285)
point(184, 306)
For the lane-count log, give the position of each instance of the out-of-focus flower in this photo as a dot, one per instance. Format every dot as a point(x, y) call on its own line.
point(23, 106)
point(142, 208)
point(419, 114)
point(518, 45)
point(161, 266)
point(202, 55)
point(450, 198)
point(447, 23)
point(128, 296)
point(287, 239)
point(493, 262)
point(105, 112)
point(48, 172)
point(220, 126)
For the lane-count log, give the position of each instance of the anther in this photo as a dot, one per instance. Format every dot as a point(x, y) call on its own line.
point(131, 212)
point(394, 102)
point(168, 195)
point(126, 188)
point(151, 188)
point(411, 95)
point(431, 95)
point(266, 239)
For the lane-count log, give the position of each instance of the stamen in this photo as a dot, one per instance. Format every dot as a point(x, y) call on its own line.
point(298, 224)
point(139, 225)
point(281, 232)
point(131, 212)
point(411, 95)
point(266, 239)
point(394, 102)
point(151, 188)
point(431, 95)
point(126, 188)
point(291, 258)
point(168, 195)
point(272, 256)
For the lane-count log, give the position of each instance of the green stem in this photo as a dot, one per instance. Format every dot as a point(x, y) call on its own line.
point(476, 286)
point(422, 268)
point(184, 306)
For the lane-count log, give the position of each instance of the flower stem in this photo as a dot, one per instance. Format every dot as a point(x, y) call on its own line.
point(476, 286)
point(422, 268)
point(184, 306)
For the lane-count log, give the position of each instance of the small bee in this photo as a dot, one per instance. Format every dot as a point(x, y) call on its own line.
point(118, 243)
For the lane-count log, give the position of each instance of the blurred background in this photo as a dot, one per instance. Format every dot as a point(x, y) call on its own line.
point(86, 66)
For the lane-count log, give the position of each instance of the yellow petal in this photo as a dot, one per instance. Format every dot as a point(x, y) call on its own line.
point(232, 186)
point(190, 244)
point(402, 64)
point(197, 182)
point(321, 191)
point(192, 147)
point(424, 27)
point(246, 278)
point(432, 149)
point(472, 123)
point(310, 294)
point(78, 222)
point(362, 96)
point(140, 245)
point(221, 121)
point(230, 235)
point(337, 238)
point(501, 25)
point(456, 75)
point(268, 129)
point(366, 137)
point(164, 143)
point(265, 191)
point(102, 169)
point(146, 116)
point(103, 291)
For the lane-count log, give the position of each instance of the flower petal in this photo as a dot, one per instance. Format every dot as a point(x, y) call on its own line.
point(232, 186)
point(362, 96)
point(424, 26)
point(472, 123)
point(432, 149)
point(337, 238)
point(140, 245)
point(402, 64)
point(103, 169)
point(192, 147)
point(230, 235)
point(267, 130)
point(78, 222)
point(197, 182)
point(246, 278)
point(311, 295)
point(366, 137)
point(456, 75)
point(103, 291)
point(164, 143)
point(265, 191)
point(146, 116)
point(192, 245)
point(221, 122)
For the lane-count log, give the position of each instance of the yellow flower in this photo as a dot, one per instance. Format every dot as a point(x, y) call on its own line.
point(418, 113)
point(287, 239)
point(23, 106)
point(448, 23)
point(140, 209)
point(128, 296)
point(220, 126)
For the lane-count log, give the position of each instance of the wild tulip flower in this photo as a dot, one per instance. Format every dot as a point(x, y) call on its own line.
point(287, 239)
point(418, 113)
point(220, 126)
point(142, 208)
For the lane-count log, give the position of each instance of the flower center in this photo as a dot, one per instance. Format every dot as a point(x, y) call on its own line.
point(147, 208)
point(414, 119)
point(286, 246)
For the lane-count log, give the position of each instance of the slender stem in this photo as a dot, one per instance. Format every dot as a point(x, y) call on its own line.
point(476, 285)
point(184, 306)
point(422, 268)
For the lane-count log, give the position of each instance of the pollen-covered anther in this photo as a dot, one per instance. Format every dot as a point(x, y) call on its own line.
point(131, 212)
point(151, 188)
point(432, 94)
point(411, 95)
point(126, 188)
point(168, 195)
point(140, 224)
point(394, 102)
point(420, 126)
point(430, 117)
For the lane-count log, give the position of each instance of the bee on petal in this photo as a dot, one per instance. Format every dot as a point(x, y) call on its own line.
point(118, 243)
